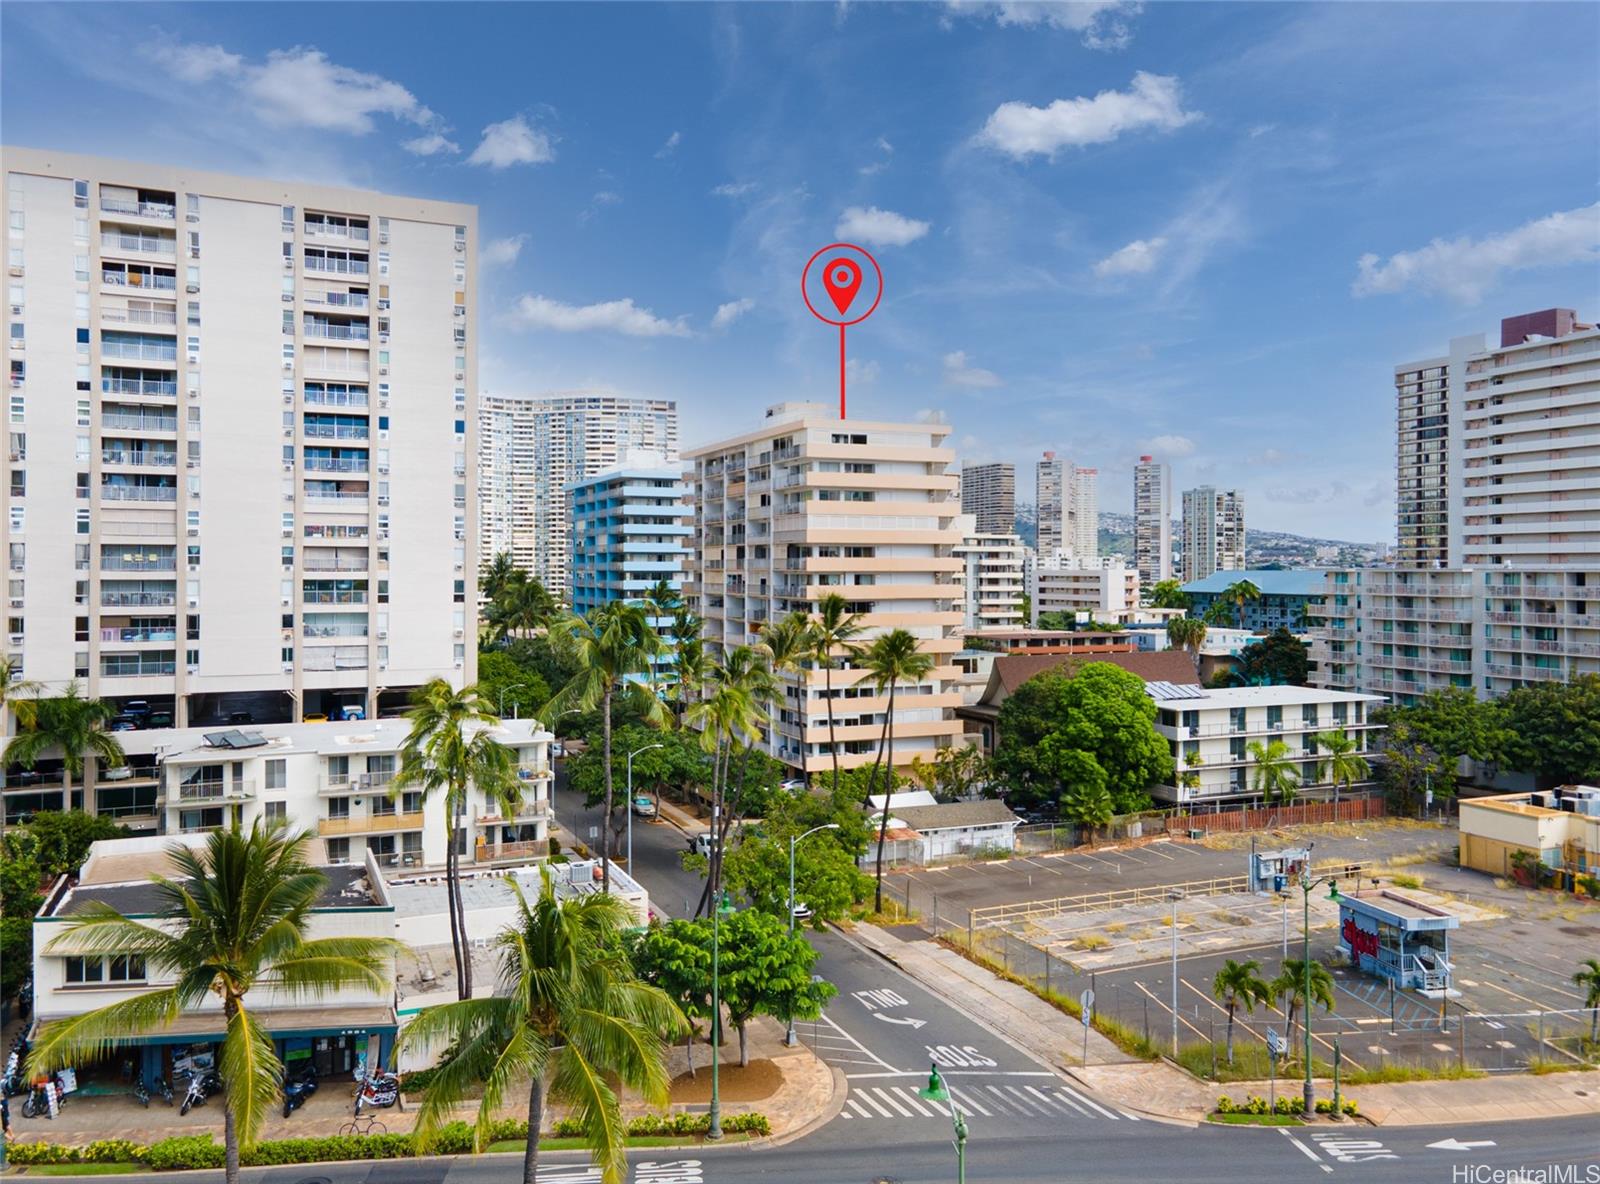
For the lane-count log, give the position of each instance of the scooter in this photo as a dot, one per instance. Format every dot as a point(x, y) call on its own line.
point(296, 1089)
point(161, 1087)
point(378, 1092)
point(37, 1103)
point(140, 1093)
point(201, 1086)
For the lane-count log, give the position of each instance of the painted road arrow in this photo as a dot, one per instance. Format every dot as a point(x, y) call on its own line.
point(1458, 1145)
point(889, 1019)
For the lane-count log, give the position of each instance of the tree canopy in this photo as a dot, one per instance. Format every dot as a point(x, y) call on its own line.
point(1553, 730)
point(1101, 712)
point(1280, 659)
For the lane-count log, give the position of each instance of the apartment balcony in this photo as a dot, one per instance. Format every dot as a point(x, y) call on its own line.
point(370, 824)
point(316, 330)
point(136, 562)
point(337, 659)
point(152, 350)
point(143, 280)
point(315, 562)
point(138, 316)
point(165, 211)
point(1527, 673)
point(137, 635)
point(338, 299)
point(164, 388)
point(532, 812)
point(329, 632)
point(1573, 648)
point(130, 242)
point(139, 493)
point(318, 396)
point(138, 458)
point(137, 665)
point(216, 791)
point(341, 431)
point(318, 228)
point(168, 599)
point(335, 265)
point(336, 464)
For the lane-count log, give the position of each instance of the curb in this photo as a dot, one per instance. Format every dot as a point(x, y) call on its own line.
point(828, 1113)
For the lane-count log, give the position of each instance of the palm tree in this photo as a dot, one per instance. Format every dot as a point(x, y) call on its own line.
point(449, 749)
point(752, 688)
point(1343, 765)
point(1168, 594)
point(1239, 984)
point(1239, 592)
point(691, 666)
point(1291, 984)
point(74, 725)
point(1272, 770)
point(833, 630)
point(522, 606)
point(1588, 979)
point(233, 918)
point(726, 714)
point(568, 1017)
point(502, 570)
point(611, 648)
point(12, 690)
point(1187, 633)
point(787, 644)
point(890, 660)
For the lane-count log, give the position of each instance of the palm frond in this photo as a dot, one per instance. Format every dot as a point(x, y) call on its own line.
point(251, 1071)
point(522, 1056)
point(590, 1102)
point(319, 976)
point(89, 1036)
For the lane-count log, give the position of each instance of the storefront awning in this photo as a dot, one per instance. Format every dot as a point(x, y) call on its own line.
point(280, 1023)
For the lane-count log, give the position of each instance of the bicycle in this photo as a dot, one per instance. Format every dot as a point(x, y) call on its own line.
point(364, 1125)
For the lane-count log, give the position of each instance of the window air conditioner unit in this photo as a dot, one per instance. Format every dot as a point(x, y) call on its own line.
point(16, 310)
point(192, 218)
point(288, 262)
point(288, 366)
point(288, 396)
point(288, 297)
point(288, 667)
point(383, 370)
point(383, 633)
point(461, 246)
point(383, 237)
point(16, 271)
point(460, 376)
point(288, 466)
point(285, 601)
point(383, 339)
point(194, 532)
point(383, 500)
point(194, 360)
point(191, 288)
point(16, 639)
point(16, 602)
point(194, 602)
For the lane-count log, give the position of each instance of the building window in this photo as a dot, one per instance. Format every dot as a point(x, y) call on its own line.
point(85, 970)
point(126, 968)
point(277, 777)
point(338, 850)
point(277, 812)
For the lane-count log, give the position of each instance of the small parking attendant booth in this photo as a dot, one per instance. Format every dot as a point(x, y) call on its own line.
point(1397, 938)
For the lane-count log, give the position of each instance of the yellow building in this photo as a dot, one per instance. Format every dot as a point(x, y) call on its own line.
point(1560, 828)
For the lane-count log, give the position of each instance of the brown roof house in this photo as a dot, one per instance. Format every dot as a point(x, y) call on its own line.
point(1010, 671)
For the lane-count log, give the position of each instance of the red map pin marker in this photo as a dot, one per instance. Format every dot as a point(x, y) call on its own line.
point(842, 278)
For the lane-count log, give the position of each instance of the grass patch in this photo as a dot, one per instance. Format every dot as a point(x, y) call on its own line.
point(1393, 1074)
point(1250, 1062)
point(1405, 880)
point(576, 1144)
point(85, 1169)
point(1091, 941)
point(1255, 1119)
point(1541, 1066)
point(1116, 927)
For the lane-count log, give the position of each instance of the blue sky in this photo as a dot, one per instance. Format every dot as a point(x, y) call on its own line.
point(1204, 230)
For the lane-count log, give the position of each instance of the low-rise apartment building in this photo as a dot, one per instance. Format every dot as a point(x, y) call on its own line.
point(333, 1031)
point(806, 505)
point(1103, 589)
point(1558, 829)
point(1289, 599)
point(1218, 726)
point(1406, 632)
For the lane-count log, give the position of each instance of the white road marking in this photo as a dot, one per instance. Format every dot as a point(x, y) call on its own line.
point(909, 1097)
point(1064, 1098)
point(857, 1107)
point(1027, 1103)
point(1053, 1103)
point(968, 1104)
point(1085, 1099)
point(867, 1097)
point(894, 1102)
point(861, 1048)
point(1309, 1154)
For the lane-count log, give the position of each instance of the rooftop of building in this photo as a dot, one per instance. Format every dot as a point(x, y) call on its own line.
point(1196, 698)
point(1534, 805)
point(425, 895)
point(949, 815)
point(1296, 582)
point(334, 738)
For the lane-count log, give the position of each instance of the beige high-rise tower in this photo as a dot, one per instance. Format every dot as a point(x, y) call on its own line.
point(1152, 520)
point(805, 505)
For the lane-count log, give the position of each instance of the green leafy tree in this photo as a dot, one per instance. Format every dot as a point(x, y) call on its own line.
point(1272, 771)
point(1236, 985)
point(19, 694)
point(231, 920)
point(676, 957)
point(834, 629)
point(1280, 659)
point(1343, 765)
point(1553, 730)
point(1098, 709)
point(1290, 985)
point(569, 1018)
point(1587, 980)
point(520, 606)
point(890, 660)
point(611, 650)
point(763, 969)
point(449, 749)
point(62, 839)
point(1168, 594)
point(509, 686)
point(825, 874)
point(1086, 800)
point(538, 656)
point(1410, 768)
point(1240, 593)
point(1453, 723)
point(72, 725)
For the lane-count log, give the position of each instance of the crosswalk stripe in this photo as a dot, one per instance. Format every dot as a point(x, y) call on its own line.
point(860, 1110)
point(913, 1101)
point(1053, 1103)
point(1087, 1101)
point(1028, 1104)
point(1065, 1100)
point(866, 1096)
point(1002, 1103)
point(888, 1096)
point(966, 1103)
point(1131, 1117)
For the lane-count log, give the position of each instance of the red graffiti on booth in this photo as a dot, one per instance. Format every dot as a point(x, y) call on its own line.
point(1358, 939)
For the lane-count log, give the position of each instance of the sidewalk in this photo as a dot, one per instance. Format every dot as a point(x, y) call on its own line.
point(1160, 1089)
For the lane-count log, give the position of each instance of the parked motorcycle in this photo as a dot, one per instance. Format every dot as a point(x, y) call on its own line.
point(37, 1103)
point(202, 1085)
point(297, 1087)
point(378, 1091)
point(141, 1094)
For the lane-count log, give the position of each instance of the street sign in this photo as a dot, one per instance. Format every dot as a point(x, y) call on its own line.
point(1086, 1004)
point(594, 832)
point(1276, 1044)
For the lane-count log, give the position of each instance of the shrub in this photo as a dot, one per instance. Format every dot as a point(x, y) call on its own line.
point(1406, 881)
point(1346, 1106)
point(1225, 1105)
point(183, 1153)
point(645, 1125)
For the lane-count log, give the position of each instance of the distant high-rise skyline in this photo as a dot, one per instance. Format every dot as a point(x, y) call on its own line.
point(1213, 532)
point(1152, 520)
point(989, 494)
point(1066, 507)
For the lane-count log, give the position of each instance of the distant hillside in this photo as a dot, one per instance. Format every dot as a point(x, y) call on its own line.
point(1264, 548)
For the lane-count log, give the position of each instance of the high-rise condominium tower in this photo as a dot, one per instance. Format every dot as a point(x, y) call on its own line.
point(1498, 446)
point(989, 494)
point(1050, 503)
point(806, 505)
point(532, 451)
point(1152, 520)
point(243, 440)
point(1083, 514)
point(1213, 531)
point(1068, 505)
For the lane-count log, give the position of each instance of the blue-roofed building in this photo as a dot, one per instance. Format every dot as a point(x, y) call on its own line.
point(630, 529)
point(1285, 596)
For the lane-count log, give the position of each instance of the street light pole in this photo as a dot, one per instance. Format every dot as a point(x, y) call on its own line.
point(1309, 1096)
point(631, 755)
point(937, 1091)
point(1176, 897)
point(516, 686)
point(789, 1037)
point(714, 1130)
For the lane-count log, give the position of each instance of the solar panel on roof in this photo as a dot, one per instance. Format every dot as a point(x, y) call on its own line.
point(234, 738)
point(1163, 692)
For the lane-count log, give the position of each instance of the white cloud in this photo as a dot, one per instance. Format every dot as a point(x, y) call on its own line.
point(1464, 269)
point(431, 145)
point(877, 166)
point(670, 146)
point(862, 373)
point(512, 141)
point(883, 228)
point(614, 316)
point(1154, 101)
point(958, 373)
point(1136, 258)
point(502, 251)
point(1103, 23)
point(731, 189)
point(1162, 447)
point(730, 312)
point(301, 87)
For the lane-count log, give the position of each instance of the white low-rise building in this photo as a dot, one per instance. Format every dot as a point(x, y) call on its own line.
point(1219, 726)
point(334, 780)
point(1099, 589)
point(332, 1030)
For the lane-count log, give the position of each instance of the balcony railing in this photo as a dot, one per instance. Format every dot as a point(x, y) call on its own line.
point(322, 596)
point(140, 279)
point(336, 398)
point(336, 266)
point(146, 351)
point(341, 431)
point(335, 659)
point(123, 456)
point(358, 234)
point(334, 496)
point(313, 563)
point(339, 299)
point(140, 316)
point(138, 599)
point(139, 386)
point(316, 331)
point(126, 563)
point(153, 244)
point(144, 209)
point(129, 635)
point(215, 791)
point(369, 824)
point(316, 631)
point(139, 493)
point(336, 464)
point(138, 423)
point(133, 666)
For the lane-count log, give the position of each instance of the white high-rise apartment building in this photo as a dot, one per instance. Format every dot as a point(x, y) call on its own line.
point(989, 494)
point(1067, 499)
point(1499, 449)
point(532, 450)
point(1213, 532)
point(807, 505)
point(242, 445)
point(1152, 520)
point(994, 576)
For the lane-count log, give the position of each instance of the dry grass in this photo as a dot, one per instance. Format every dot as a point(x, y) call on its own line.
point(1116, 927)
point(1091, 941)
point(1406, 881)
